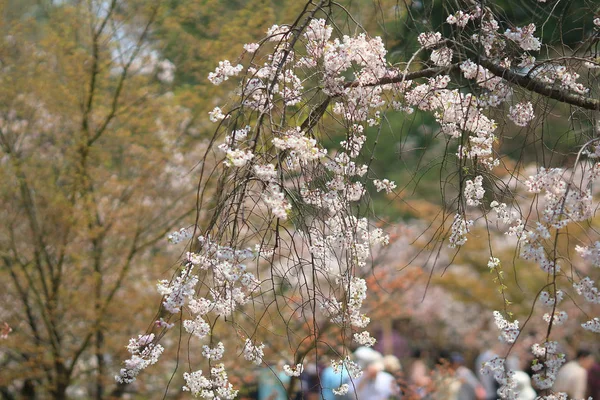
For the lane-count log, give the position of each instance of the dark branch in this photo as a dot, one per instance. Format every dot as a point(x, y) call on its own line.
point(529, 83)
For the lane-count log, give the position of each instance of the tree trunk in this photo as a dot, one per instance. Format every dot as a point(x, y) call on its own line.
point(59, 392)
point(101, 366)
point(28, 390)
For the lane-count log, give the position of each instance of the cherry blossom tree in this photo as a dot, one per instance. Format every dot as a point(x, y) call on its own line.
point(284, 234)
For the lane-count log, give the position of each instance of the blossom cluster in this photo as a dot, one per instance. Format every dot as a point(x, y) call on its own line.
point(251, 47)
point(460, 18)
point(457, 112)
point(523, 36)
point(564, 202)
point(180, 235)
point(317, 34)
point(474, 191)
point(357, 293)
point(550, 300)
point(429, 39)
point(254, 353)
point(493, 263)
point(216, 114)
point(213, 353)
point(442, 57)
point(301, 149)
point(557, 318)
point(590, 254)
point(232, 284)
point(509, 331)
point(223, 72)
point(215, 387)
point(342, 390)
point(144, 352)
point(562, 75)
point(502, 212)
point(368, 54)
point(586, 288)
point(592, 325)
point(347, 364)
point(364, 339)
point(547, 364)
point(275, 199)
point(293, 370)
point(176, 292)
point(234, 155)
point(497, 88)
point(521, 114)
point(508, 385)
point(458, 231)
point(384, 184)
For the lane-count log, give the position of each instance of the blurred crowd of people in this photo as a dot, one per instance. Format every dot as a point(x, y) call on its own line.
point(440, 376)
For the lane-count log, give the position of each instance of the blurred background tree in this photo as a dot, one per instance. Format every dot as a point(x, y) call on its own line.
point(95, 172)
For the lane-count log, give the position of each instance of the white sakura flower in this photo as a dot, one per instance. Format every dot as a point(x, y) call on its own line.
point(195, 383)
point(293, 371)
point(251, 47)
point(254, 353)
point(161, 323)
point(143, 354)
point(592, 325)
point(354, 191)
point(493, 263)
point(558, 319)
point(342, 390)
point(180, 235)
point(216, 115)
point(521, 114)
point(277, 33)
point(274, 198)
point(591, 64)
point(548, 300)
point(214, 353)
point(442, 57)
point(347, 364)
point(459, 230)
point(509, 330)
point(524, 37)
point(502, 212)
point(223, 72)
point(384, 184)
point(238, 158)
point(460, 18)
point(364, 338)
point(546, 365)
point(586, 288)
point(178, 290)
point(429, 39)
point(527, 62)
point(590, 254)
point(265, 172)
point(197, 327)
point(474, 191)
